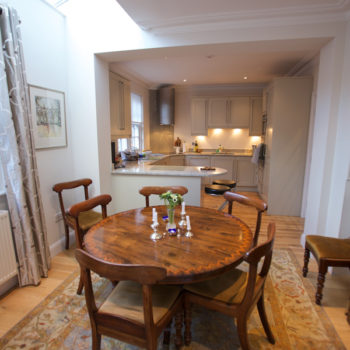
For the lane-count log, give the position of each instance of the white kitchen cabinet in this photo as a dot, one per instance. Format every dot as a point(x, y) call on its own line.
point(246, 172)
point(199, 116)
point(120, 106)
point(176, 160)
point(288, 112)
point(255, 123)
point(238, 112)
point(201, 161)
point(224, 163)
point(218, 114)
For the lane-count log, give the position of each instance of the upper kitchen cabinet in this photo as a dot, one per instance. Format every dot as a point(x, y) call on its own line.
point(218, 114)
point(199, 115)
point(120, 106)
point(229, 113)
point(239, 112)
point(255, 124)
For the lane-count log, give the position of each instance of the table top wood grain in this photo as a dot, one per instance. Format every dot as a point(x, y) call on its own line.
point(219, 243)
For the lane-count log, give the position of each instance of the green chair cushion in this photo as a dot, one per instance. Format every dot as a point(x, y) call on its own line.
point(126, 301)
point(87, 219)
point(329, 247)
point(228, 287)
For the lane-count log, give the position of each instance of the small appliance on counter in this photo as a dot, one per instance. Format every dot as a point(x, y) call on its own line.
point(128, 155)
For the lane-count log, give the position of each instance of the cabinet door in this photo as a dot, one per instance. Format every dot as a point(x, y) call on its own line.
point(199, 111)
point(176, 160)
point(246, 172)
point(199, 161)
point(239, 112)
point(255, 125)
point(218, 113)
point(120, 107)
point(224, 163)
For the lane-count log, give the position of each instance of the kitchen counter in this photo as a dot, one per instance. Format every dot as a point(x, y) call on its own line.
point(148, 168)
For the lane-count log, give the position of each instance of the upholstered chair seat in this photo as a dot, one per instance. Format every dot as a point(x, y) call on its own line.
point(328, 251)
point(229, 287)
point(86, 219)
point(126, 301)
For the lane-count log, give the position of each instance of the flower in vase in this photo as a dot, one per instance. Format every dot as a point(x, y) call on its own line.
point(171, 200)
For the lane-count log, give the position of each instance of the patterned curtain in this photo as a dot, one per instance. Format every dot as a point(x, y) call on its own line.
point(18, 159)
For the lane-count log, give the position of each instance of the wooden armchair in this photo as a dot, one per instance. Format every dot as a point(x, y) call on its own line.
point(149, 190)
point(327, 251)
point(76, 212)
point(137, 310)
point(235, 292)
point(87, 219)
point(256, 203)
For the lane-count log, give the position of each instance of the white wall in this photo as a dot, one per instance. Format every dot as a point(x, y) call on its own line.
point(331, 142)
point(43, 35)
point(228, 138)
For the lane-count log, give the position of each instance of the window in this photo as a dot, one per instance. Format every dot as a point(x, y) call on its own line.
point(136, 140)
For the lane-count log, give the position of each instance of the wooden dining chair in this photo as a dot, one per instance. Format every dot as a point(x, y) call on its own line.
point(147, 191)
point(256, 203)
point(87, 219)
point(328, 251)
point(76, 211)
point(235, 292)
point(137, 310)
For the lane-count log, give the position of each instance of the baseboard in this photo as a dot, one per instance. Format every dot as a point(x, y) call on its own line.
point(8, 285)
point(60, 245)
point(302, 239)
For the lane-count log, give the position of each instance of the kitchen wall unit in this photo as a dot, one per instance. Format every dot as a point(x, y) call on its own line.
point(288, 110)
point(199, 116)
point(120, 106)
point(239, 112)
point(255, 122)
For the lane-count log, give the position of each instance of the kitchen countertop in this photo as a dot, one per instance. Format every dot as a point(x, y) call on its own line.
point(147, 168)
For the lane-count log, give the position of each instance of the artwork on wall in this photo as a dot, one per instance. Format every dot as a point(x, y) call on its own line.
point(49, 117)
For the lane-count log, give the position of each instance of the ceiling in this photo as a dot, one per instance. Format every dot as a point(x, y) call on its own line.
point(218, 63)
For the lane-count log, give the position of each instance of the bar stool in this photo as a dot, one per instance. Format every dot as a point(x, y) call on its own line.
point(229, 183)
point(216, 189)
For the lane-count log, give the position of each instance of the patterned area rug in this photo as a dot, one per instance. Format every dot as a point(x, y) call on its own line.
point(61, 320)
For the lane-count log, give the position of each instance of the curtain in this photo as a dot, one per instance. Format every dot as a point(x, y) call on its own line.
point(18, 159)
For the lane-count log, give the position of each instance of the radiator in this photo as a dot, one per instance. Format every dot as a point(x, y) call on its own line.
point(8, 264)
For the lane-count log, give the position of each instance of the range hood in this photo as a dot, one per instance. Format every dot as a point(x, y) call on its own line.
point(166, 105)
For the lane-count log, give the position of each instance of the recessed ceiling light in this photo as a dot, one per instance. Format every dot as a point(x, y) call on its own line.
point(184, 80)
point(245, 78)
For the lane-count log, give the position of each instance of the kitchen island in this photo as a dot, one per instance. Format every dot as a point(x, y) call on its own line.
point(126, 182)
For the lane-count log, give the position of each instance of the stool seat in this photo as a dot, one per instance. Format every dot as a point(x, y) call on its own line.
point(216, 189)
point(229, 183)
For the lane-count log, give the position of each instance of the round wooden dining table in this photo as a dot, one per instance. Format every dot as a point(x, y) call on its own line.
point(219, 242)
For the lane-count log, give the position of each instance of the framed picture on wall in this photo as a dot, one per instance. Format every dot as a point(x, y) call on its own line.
point(49, 117)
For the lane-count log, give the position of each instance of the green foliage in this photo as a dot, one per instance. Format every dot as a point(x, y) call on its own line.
point(171, 199)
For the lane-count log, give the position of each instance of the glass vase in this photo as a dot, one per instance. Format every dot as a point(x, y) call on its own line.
point(171, 226)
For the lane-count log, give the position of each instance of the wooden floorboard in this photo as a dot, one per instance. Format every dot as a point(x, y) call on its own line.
point(15, 305)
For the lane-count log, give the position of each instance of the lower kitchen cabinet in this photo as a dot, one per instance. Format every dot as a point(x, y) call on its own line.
point(176, 160)
point(225, 163)
point(201, 161)
point(246, 172)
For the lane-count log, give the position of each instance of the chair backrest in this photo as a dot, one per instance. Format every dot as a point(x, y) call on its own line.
point(68, 186)
point(253, 257)
point(86, 205)
point(256, 203)
point(149, 190)
point(145, 275)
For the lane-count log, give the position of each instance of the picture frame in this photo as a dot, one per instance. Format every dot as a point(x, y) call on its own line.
point(48, 117)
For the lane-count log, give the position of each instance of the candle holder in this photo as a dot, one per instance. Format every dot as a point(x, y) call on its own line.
point(182, 222)
point(189, 234)
point(155, 235)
